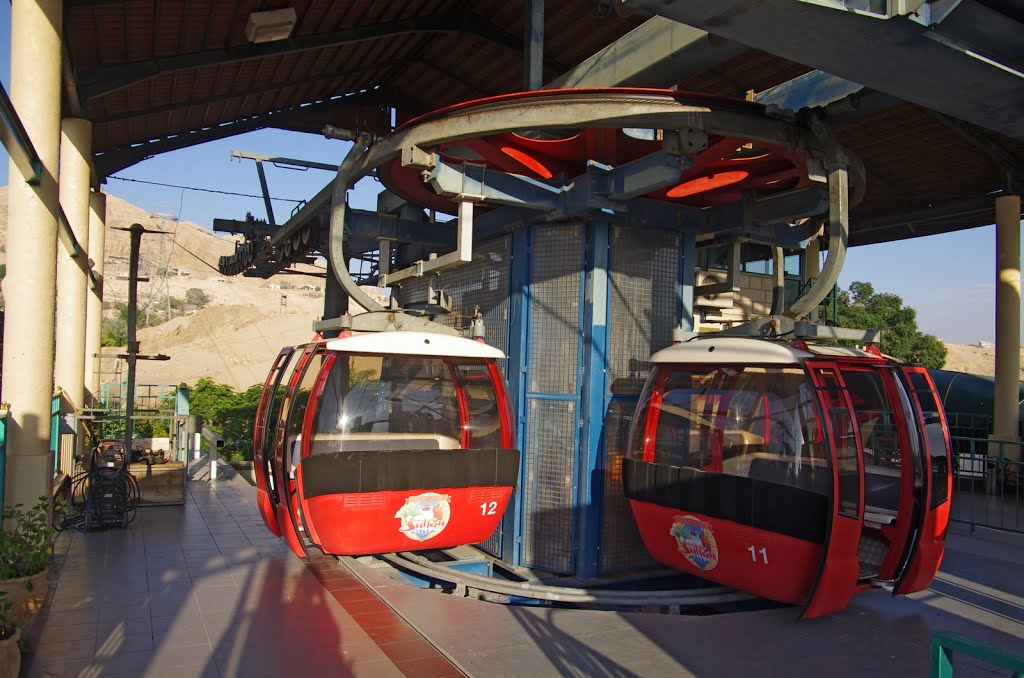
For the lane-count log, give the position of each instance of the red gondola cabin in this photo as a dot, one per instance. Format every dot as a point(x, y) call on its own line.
point(382, 442)
point(800, 474)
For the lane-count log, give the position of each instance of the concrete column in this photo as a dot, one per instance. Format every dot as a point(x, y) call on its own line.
point(1007, 413)
point(72, 284)
point(94, 305)
point(29, 287)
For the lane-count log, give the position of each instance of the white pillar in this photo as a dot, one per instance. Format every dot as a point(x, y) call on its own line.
point(1006, 415)
point(94, 305)
point(72, 283)
point(29, 287)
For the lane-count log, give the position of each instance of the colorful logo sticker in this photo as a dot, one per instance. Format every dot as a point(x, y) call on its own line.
point(424, 516)
point(695, 541)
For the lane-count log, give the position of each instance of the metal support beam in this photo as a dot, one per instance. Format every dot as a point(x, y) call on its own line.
point(1006, 412)
point(839, 237)
point(266, 193)
point(533, 45)
point(15, 139)
point(658, 53)
point(942, 66)
point(262, 88)
point(112, 161)
point(280, 160)
point(474, 182)
point(463, 252)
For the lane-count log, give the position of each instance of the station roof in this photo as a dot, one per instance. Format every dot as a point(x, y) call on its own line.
point(155, 76)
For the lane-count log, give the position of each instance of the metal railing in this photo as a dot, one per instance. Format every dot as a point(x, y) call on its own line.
point(987, 483)
point(945, 643)
point(3, 451)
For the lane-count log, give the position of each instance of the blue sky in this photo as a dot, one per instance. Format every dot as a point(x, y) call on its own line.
point(949, 279)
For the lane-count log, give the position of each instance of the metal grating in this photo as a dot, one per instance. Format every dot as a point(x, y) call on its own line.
point(551, 448)
point(556, 274)
point(621, 546)
point(482, 282)
point(644, 307)
point(644, 299)
point(549, 487)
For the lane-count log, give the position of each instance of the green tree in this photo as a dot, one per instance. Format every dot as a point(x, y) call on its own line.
point(863, 308)
point(230, 413)
point(114, 331)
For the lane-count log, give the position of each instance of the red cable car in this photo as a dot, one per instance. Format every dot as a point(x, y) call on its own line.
point(385, 441)
point(802, 474)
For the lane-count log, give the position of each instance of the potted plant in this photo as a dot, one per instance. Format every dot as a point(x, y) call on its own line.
point(26, 544)
point(10, 653)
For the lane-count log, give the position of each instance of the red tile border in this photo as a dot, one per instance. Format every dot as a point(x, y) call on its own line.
point(429, 667)
point(400, 641)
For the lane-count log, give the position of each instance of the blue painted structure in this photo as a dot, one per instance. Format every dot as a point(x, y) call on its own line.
point(590, 301)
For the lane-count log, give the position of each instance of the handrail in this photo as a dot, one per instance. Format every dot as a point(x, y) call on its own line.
point(215, 442)
point(944, 643)
point(4, 412)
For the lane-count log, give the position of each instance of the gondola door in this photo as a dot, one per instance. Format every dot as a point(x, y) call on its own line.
point(840, 567)
point(933, 515)
point(265, 412)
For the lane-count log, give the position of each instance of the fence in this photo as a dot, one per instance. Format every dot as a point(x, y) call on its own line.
point(987, 479)
point(944, 644)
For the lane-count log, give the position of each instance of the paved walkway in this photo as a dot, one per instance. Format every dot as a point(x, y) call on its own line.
point(205, 590)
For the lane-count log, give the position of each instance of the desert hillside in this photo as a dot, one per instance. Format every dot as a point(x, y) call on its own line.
point(234, 339)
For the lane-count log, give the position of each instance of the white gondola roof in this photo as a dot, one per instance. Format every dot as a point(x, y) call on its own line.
point(749, 351)
point(731, 350)
point(414, 343)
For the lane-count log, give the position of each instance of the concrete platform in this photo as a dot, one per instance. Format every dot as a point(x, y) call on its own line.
point(205, 590)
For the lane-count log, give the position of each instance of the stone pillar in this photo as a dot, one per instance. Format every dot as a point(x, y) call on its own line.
point(72, 283)
point(1006, 419)
point(94, 304)
point(30, 287)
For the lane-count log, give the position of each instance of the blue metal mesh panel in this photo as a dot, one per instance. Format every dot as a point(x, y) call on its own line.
point(555, 309)
point(644, 307)
point(621, 546)
point(550, 451)
point(548, 487)
point(482, 282)
point(644, 303)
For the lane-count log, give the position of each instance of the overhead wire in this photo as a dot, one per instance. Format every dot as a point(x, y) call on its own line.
point(200, 189)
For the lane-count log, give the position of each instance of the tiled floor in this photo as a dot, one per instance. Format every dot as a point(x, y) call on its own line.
point(205, 590)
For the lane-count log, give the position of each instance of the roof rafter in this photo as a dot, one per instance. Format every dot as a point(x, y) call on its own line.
point(270, 87)
point(119, 158)
point(101, 80)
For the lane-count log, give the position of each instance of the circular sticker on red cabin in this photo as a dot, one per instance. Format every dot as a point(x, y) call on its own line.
point(424, 516)
point(696, 541)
